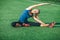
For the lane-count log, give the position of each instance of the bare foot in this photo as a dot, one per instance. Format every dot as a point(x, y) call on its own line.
point(51, 25)
point(26, 25)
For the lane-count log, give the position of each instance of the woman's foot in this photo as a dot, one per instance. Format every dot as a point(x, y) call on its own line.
point(51, 25)
point(26, 25)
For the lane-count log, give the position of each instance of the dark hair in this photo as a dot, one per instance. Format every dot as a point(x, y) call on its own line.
point(14, 24)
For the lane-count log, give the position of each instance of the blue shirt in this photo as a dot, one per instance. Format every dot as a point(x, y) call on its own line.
point(25, 15)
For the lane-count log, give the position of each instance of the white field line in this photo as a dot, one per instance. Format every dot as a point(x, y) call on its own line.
point(42, 2)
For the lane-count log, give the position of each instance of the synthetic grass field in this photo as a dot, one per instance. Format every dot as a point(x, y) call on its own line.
point(10, 10)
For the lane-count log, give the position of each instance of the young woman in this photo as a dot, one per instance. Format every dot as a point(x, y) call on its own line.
point(31, 12)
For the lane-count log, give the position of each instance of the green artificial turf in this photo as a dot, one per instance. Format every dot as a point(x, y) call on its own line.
point(10, 10)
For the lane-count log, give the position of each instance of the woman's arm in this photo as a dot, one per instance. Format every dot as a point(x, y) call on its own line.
point(33, 6)
point(39, 21)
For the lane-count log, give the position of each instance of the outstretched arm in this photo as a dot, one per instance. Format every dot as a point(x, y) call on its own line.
point(39, 21)
point(36, 18)
point(33, 6)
